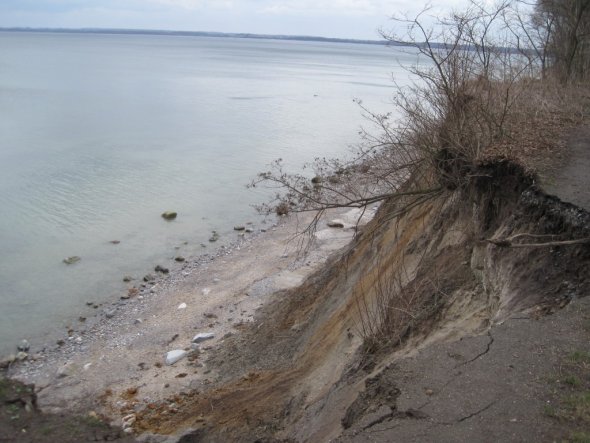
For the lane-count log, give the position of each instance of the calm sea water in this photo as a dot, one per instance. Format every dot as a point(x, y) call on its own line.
point(99, 134)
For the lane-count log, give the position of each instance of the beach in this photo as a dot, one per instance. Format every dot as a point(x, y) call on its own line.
point(116, 361)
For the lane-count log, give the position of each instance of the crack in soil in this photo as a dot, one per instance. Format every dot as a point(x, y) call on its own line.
point(481, 354)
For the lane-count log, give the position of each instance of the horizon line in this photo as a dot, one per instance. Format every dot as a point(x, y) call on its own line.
point(140, 31)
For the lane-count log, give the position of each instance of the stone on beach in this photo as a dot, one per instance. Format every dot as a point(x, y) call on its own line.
point(182, 306)
point(169, 215)
point(180, 259)
point(336, 223)
point(174, 356)
point(203, 336)
point(239, 228)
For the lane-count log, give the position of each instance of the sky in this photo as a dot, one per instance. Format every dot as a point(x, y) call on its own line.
point(359, 19)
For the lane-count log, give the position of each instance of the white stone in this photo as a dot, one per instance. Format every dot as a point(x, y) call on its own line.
point(87, 366)
point(182, 306)
point(206, 291)
point(203, 336)
point(174, 356)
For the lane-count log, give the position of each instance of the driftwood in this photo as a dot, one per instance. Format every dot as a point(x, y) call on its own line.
point(508, 242)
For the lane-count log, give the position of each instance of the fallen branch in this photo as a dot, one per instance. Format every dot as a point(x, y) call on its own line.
point(507, 243)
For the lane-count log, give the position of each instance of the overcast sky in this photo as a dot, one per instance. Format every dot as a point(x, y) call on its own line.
point(328, 18)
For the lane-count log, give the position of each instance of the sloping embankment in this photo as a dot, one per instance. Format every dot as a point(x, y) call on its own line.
point(309, 367)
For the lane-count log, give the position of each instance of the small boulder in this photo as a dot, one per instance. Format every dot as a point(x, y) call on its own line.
point(149, 278)
point(180, 259)
point(169, 215)
point(71, 260)
point(174, 356)
point(203, 336)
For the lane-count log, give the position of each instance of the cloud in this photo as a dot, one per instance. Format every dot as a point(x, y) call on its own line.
point(335, 7)
point(195, 4)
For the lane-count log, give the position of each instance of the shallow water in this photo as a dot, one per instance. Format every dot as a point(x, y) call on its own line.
point(99, 134)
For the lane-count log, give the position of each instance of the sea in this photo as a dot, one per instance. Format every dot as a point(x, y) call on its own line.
point(100, 134)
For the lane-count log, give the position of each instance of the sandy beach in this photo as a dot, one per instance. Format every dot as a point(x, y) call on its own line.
point(117, 360)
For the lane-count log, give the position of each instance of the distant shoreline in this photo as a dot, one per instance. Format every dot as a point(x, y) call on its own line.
point(117, 31)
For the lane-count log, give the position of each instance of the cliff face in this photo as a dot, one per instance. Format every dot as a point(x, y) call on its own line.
point(452, 267)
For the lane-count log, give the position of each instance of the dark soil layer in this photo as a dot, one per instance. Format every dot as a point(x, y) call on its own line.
point(21, 421)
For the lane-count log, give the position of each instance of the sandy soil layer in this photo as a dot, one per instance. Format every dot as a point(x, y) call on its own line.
point(116, 362)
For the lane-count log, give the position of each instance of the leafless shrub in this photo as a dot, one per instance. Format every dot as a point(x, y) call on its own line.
point(393, 305)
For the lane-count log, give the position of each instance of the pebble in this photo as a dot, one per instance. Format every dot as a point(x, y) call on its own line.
point(23, 346)
point(203, 336)
point(182, 306)
point(180, 259)
point(22, 356)
point(87, 366)
point(239, 228)
point(161, 269)
point(206, 291)
point(174, 356)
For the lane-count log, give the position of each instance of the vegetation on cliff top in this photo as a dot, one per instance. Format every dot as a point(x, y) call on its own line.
point(499, 82)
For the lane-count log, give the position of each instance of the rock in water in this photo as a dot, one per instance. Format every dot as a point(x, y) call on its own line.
point(169, 215)
point(174, 356)
point(203, 336)
point(71, 260)
point(214, 237)
point(239, 228)
point(180, 259)
point(161, 269)
point(23, 346)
